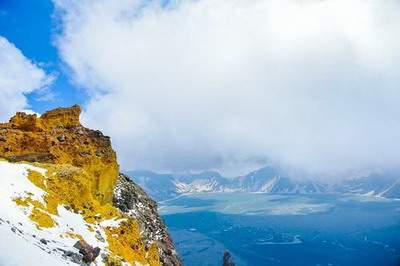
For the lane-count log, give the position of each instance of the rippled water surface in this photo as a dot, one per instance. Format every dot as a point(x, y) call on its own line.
point(263, 229)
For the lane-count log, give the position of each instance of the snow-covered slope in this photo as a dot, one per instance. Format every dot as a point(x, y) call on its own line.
point(383, 185)
point(23, 241)
point(393, 191)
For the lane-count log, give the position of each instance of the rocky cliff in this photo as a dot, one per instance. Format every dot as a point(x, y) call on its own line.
point(62, 194)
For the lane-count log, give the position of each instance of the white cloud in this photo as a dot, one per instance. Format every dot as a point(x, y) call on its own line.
point(18, 76)
point(310, 85)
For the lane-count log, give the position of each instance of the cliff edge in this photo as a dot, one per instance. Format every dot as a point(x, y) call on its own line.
point(65, 201)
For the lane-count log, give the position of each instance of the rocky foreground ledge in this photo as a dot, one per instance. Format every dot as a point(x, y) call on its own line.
point(63, 194)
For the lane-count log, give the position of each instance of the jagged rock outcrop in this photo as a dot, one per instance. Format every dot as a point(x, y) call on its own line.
point(89, 253)
point(131, 199)
point(227, 259)
point(61, 184)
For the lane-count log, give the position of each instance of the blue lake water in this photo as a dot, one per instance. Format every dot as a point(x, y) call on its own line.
point(263, 229)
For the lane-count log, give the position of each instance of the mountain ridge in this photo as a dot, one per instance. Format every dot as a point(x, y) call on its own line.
point(264, 180)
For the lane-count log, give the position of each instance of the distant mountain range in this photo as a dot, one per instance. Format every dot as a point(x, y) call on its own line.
point(265, 180)
point(383, 185)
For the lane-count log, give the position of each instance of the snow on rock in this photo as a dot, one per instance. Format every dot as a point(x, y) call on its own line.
point(21, 238)
point(17, 249)
point(24, 242)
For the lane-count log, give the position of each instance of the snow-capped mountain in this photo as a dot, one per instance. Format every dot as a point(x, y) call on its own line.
point(272, 180)
point(160, 186)
point(267, 180)
point(385, 185)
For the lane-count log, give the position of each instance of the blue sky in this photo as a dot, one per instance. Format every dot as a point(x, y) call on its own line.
point(29, 25)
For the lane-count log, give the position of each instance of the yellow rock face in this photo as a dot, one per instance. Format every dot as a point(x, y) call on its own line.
point(57, 137)
point(125, 243)
point(81, 174)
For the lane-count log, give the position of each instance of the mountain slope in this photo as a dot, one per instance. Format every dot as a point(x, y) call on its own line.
point(384, 185)
point(393, 191)
point(61, 195)
point(266, 180)
point(272, 180)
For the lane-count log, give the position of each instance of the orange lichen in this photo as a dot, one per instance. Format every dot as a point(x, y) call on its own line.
point(21, 202)
point(37, 179)
point(39, 213)
point(74, 235)
point(42, 219)
point(125, 244)
point(90, 228)
point(69, 186)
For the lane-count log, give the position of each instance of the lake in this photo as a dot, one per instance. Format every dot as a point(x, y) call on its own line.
point(264, 229)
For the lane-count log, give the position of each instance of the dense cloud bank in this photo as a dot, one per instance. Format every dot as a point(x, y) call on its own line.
point(18, 77)
point(312, 86)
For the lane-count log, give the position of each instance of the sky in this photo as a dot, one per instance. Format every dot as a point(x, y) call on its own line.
point(307, 85)
point(30, 26)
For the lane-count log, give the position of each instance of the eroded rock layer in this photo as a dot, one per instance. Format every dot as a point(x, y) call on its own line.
point(57, 137)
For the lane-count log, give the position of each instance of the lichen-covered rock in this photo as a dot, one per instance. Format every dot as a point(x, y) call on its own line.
point(58, 137)
point(64, 180)
point(132, 200)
